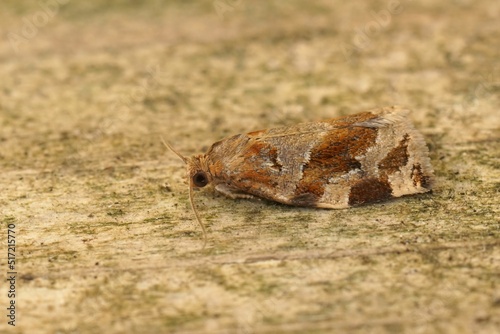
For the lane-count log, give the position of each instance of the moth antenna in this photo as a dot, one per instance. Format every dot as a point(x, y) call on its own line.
point(197, 216)
point(167, 145)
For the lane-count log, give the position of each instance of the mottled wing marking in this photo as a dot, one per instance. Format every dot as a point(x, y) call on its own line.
point(369, 190)
point(396, 158)
point(333, 157)
point(366, 157)
point(260, 167)
point(389, 168)
point(419, 178)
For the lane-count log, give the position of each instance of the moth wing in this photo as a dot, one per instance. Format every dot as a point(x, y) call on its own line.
point(334, 163)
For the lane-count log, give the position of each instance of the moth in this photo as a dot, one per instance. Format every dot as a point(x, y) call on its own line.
point(337, 163)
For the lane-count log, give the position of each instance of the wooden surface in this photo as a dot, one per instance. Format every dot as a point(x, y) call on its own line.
point(106, 241)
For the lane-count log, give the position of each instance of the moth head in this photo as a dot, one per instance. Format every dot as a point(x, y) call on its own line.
point(199, 177)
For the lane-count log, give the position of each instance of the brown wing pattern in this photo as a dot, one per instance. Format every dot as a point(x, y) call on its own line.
point(333, 163)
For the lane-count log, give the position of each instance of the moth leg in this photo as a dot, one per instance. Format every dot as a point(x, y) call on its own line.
point(226, 191)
